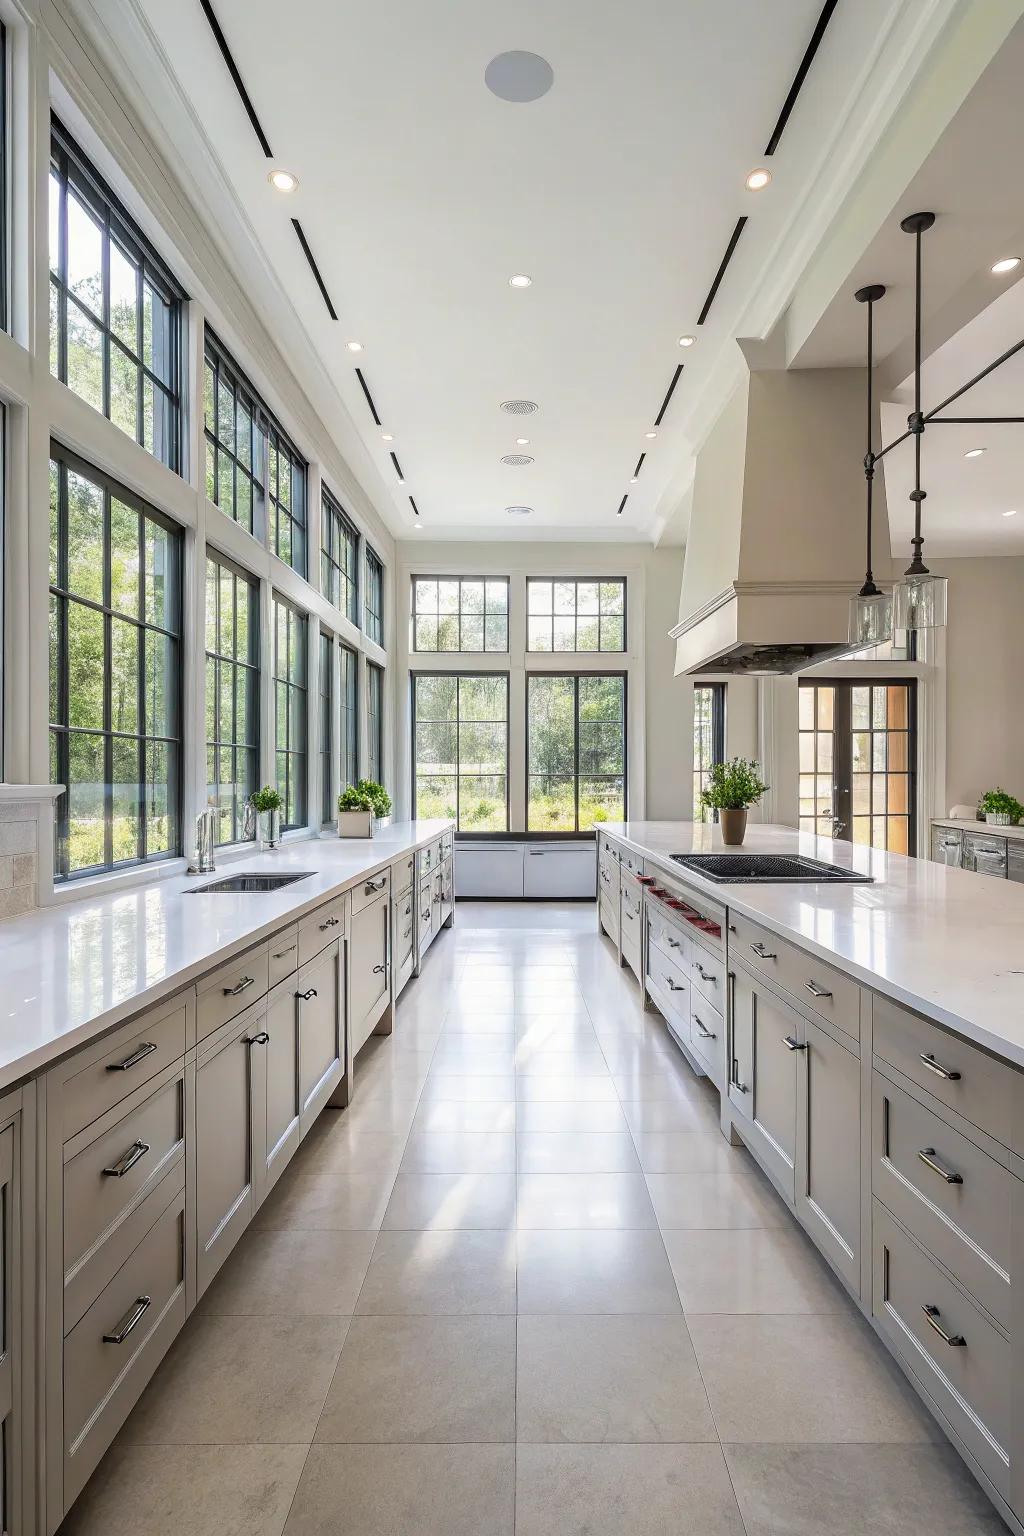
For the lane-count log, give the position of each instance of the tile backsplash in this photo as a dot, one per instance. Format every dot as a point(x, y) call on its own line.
point(19, 856)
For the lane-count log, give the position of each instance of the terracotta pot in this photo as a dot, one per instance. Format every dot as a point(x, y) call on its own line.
point(734, 825)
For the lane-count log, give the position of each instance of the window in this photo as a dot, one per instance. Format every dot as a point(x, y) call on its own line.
point(348, 710)
point(232, 694)
point(339, 558)
point(374, 621)
point(858, 757)
point(236, 437)
point(5, 304)
point(460, 748)
point(326, 682)
point(115, 310)
point(115, 673)
point(374, 722)
point(286, 500)
point(575, 615)
point(708, 741)
point(575, 750)
point(290, 710)
point(460, 613)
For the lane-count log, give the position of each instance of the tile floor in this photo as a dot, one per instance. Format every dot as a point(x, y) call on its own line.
point(524, 1285)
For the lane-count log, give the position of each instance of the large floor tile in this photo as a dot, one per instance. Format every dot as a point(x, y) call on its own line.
point(405, 1490)
point(582, 1062)
point(456, 1115)
point(420, 1380)
point(756, 1270)
point(448, 1201)
point(460, 1152)
point(201, 1490)
point(574, 1118)
point(343, 1145)
point(658, 1085)
point(566, 1089)
point(439, 1273)
point(613, 1271)
point(609, 1379)
point(469, 1088)
point(867, 1490)
point(682, 1113)
point(697, 1200)
point(607, 1490)
point(566, 1152)
point(702, 1151)
point(326, 1202)
point(240, 1380)
point(567, 1200)
point(292, 1272)
point(813, 1379)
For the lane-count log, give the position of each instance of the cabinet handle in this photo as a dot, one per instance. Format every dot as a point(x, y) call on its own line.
point(741, 1087)
point(762, 953)
point(133, 1316)
point(378, 970)
point(933, 1314)
point(331, 922)
point(672, 943)
point(705, 1034)
point(927, 1156)
point(375, 885)
point(816, 991)
point(793, 1045)
point(139, 1054)
point(702, 973)
point(305, 996)
point(260, 1039)
point(939, 1070)
point(246, 981)
point(127, 1161)
point(283, 952)
point(672, 985)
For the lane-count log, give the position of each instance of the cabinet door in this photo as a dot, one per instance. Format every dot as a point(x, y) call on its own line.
point(227, 1149)
point(10, 1443)
point(282, 1102)
point(321, 1012)
point(369, 967)
point(767, 1039)
point(426, 914)
point(437, 902)
point(828, 1142)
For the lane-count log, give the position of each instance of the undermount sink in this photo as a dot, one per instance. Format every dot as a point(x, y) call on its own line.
point(250, 883)
point(767, 869)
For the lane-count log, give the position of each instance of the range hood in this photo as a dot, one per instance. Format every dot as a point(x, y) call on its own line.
point(776, 541)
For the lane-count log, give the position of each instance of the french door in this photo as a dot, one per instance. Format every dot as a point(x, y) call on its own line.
point(858, 755)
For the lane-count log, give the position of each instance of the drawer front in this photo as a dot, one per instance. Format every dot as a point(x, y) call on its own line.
point(130, 1056)
point(608, 878)
point(966, 1368)
point(631, 862)
point(631, 930)
point(426, 911)
point(704, 919)
point(707, 976)
point(447, 844)
point(402, 873)
point(326, 924)
point(608, 848)
point(955, 1199)
point(631, 896)
point(671, 941)
point(670, 978)
point(403, 923)
point(810, 981)
point(984, 1091)
point(631, 951)
point(707, 1035)
point(284, 955)
point(367, 891)
point(610, 917)
point(425, 860)
point(232, 988)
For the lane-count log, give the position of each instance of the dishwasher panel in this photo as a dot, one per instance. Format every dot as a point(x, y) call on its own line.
point(489, 871)
point(560, 871)
point(1015, 860)
point(985, 854)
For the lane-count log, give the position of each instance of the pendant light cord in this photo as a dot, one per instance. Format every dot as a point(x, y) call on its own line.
point(869, 296)
point(916, 224)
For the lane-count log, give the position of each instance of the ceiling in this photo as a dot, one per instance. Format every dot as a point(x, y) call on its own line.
point(421, 193)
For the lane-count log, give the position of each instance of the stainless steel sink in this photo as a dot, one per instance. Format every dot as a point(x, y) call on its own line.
point(250, 883)
point(767, 869)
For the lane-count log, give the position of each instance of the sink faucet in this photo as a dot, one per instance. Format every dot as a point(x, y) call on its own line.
point(249, 820)
point(206, 836)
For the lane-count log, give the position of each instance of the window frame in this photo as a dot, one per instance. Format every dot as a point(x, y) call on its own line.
point(349, 717)
point(842, 733)
point(60, 732)
point(374, 568)
point(278, 600)
point(460, 649)
point(458, 676)
point(217, 358)
point(375, 737)
point(243, 577)
point(74, 170)
point(282, 450)
point(325, 698)
point(576, 675)
point(577, 582)
point(342, 534)
point(718, 709)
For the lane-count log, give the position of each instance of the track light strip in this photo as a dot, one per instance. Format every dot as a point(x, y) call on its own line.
point(801, 74)
point(712, 291)
point(369, 397)
point(222, 44)
point(398, 467)
point(668, 396)
point(314, 268)
point(622, 503)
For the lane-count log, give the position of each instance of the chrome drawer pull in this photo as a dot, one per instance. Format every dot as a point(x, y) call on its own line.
point(927, 1156)
point(139, 1054)
point(672, 943)
point(762, 953)
point(376, 885)
point(793, 1045)
point(673, 986)
point(379, 970)
point(331, 922)
point(741, 1087)
point(260, 1039)
point(134, 1315)
point(933, 1314)
point(816, 991)
point(939, 1070)
point(705, 1034)
point(246, 981)
point(283, 952)
point(127, 1161)
point(702, 973)
point(305, 996)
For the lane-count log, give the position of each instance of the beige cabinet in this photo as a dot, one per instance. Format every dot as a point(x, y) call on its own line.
point(230, 1072)
point(425, 915)
point(766, 1039)
point(828, 1164)
point(18, 1357)
point(282, 1102)
point(370, 981)
point(320, 1009)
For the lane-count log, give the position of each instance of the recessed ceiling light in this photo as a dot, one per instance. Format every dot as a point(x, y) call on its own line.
point(650, 434)
point(1007, 264)
point(519, 407)
point(974, 453)
point(519, 511)
point(1012, 512)
point(632, 479)
point(758, 179)
point(520, 280)
point(687, 341)
point(418, 527)
point(354, 346)
point(283, 181)
point(521, 442)
point(387, 437)
point(519, 76)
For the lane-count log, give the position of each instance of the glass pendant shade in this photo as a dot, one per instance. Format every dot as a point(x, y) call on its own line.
point(919, 602)
point(870, 620)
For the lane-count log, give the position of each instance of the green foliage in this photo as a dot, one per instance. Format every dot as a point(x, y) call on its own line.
point(996, 802)
point(353, 799)
point(267, 799)
point(734, 785)
point(376, 794)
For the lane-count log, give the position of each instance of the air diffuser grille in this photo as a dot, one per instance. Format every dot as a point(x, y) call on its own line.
point(517, 460)
point(519, 407)
point(519, 511)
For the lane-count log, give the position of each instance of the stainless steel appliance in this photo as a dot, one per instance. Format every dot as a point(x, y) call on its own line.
point(985, 854)
point(1015, 859)
point(948, 846)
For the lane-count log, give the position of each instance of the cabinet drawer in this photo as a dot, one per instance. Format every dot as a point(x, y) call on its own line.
point(965, 1369)
point(671, 981)
point(610, 917)
point(325, 925)
point(707, 976)
point(402, 873)
point(608, 875)
point(693, 913)
point(232, 988)
point(447, 844)
point(607, 848)
point(810, 981)
point(631, 862)
point(707, 1035)
point(631, 896)
point(367, 891)
point(671, 941)
point(117, 1065)
point(955, 1199)
point(284, 955)
point(958, 1075)
point(631, 952)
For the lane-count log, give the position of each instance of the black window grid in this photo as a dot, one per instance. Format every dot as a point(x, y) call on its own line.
point(290, 710)
point(286, 500)
point(374, 722)
point(348, 708)
point(374, 599)
point(544, 621)
point(472, 629)
point(235, 429)
point(232, 676)
point(575, 769)
point(464, 819)
point(339, 558)
point(326, 689)
point(708, 741)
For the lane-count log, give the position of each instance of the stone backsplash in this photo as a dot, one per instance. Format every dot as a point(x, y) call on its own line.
point(19, 855)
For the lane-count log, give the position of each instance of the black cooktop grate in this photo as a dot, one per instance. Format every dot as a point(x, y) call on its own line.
point(771, 868)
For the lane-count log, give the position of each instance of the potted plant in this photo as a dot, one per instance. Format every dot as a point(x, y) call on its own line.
point(731, 789)
point(380, 800)
point(355, 813)
point(1000, 809)
point(268, 803)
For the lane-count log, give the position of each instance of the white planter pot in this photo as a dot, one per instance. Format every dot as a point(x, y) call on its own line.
point(355, 823)
point(382, 821)
point(269, 829)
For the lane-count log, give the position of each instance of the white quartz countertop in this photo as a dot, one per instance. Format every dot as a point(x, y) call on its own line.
point(986, 827)
point(72, 970)
point(947, 942)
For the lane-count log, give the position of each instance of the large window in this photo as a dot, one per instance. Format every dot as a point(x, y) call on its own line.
point(348, 712)
point(708, 741)
point(286, 500)
point(326, 687)
point(236, 437)
point(374, 722)
point(290, 710)
point(339, 558)
point(232, 694)
point(572, 615)
point(374, 619)
point(460, 613)
point(575, 750)
point(460, 748)
point(115, 673)
point(115, 310)
point(857, 762)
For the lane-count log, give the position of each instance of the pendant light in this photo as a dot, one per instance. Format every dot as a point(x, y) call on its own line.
point(871, 609)
point(919, 600)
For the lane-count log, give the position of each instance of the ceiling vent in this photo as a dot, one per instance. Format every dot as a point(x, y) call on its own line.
point(519, 407)
point(516, 460)
point(519, 511)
